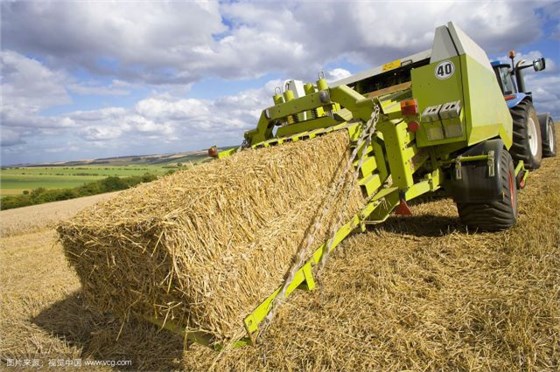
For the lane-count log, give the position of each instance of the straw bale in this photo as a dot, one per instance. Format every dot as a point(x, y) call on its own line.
point(204, 246)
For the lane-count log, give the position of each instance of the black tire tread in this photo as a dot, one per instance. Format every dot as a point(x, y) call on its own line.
point(493, 215)
point(520, 148)
point(546, 150)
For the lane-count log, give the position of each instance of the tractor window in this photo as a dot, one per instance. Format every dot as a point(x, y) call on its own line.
point(505, 79)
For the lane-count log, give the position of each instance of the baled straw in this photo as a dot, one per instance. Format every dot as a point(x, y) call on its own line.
point(203, 247)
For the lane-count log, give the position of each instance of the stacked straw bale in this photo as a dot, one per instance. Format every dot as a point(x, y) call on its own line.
point(204, 246)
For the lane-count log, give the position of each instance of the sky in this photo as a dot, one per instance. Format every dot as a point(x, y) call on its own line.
point(84, 80)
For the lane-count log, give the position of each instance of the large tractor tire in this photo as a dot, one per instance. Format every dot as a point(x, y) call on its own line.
point(548, 132)
point(527, 139)
point(497, 214)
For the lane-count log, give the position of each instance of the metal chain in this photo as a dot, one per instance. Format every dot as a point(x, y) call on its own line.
point(337, 187)
point(368, 133)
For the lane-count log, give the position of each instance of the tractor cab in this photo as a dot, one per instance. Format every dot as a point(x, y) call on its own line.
point(514, 89)
point(533, 134)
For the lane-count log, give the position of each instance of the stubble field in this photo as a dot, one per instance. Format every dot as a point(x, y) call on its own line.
point(416, 293)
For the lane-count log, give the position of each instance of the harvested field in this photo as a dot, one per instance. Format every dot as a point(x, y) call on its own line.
point(28, 219)
point(414, 293)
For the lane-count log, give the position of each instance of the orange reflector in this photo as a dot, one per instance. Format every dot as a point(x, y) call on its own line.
point(509, 97)
point(409, 107)
point(413, 126)
point(403, 209)
point(213, 152)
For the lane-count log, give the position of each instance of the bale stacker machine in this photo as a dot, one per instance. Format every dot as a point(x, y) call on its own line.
point(434, 120)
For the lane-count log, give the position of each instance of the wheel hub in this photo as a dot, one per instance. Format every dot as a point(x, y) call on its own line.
point(533, 138)
point(550, 135)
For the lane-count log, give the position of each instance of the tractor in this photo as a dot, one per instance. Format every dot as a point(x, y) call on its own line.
point(533, 134)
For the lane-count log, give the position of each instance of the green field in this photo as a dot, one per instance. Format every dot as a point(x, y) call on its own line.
point(14, 181)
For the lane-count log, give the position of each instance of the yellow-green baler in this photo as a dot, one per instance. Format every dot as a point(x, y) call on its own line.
point(433, 120)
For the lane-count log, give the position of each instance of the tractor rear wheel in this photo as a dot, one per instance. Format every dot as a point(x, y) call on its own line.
point(497, 214)
point(548, 138)
point(527, 139)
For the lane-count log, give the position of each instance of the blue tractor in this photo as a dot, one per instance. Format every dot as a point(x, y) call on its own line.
point(534, 135)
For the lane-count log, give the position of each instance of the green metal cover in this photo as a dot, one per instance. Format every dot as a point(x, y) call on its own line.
point(484, 114)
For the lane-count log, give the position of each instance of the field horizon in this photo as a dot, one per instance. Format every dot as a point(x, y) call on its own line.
point(137, 159)
point(19, 178)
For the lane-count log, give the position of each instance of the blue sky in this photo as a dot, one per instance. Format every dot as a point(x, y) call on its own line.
point(84, 80)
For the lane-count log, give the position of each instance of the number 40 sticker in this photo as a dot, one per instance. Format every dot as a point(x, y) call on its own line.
point(445, 70)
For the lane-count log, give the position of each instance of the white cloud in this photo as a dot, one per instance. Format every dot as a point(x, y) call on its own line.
point(127, 49)
point(337, 74)
point(104, 114)
point(133, 40)
point(153, 122)
point(546, 92)
point(166, 108)
point(369, 32)
point(28, 86)
point(115, 88)
point(101, 133)
point(158, 119)
point(181, 42)
point(10, 137)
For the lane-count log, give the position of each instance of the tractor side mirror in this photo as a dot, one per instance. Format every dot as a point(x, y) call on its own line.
point(539, 64)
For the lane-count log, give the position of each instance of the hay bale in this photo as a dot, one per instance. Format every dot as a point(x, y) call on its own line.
point(204, 246)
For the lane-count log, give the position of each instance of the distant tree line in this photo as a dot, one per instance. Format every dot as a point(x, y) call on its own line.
point(41, 195)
